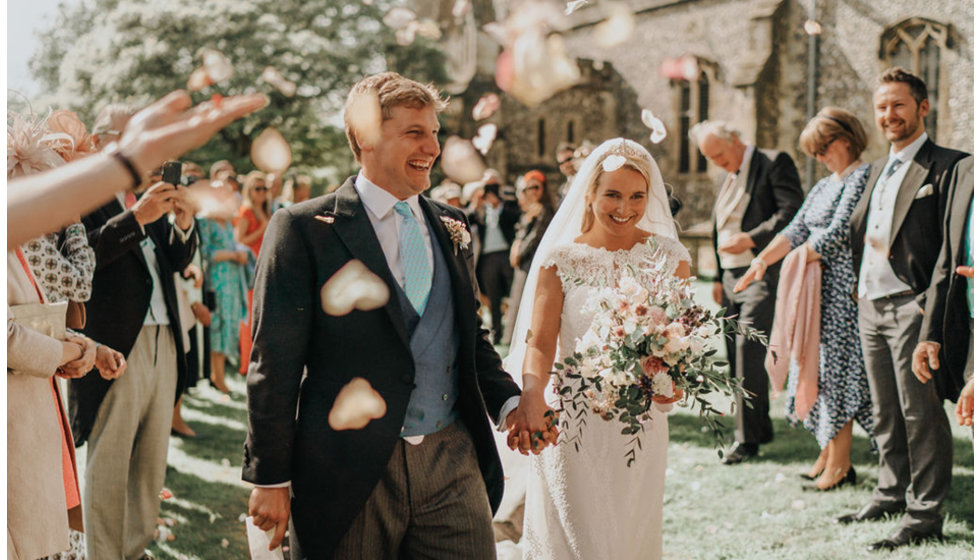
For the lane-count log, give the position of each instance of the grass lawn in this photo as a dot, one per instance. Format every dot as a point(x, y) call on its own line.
point(756, 510)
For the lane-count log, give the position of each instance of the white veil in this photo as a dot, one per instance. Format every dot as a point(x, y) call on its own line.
point(567, 225)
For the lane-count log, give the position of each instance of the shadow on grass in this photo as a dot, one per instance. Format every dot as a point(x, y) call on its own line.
point(208, 513)
point(214, 442)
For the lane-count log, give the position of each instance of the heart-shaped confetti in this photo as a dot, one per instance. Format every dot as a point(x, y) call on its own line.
point(270, 152)
point(617, 28)
point(486, 106)
point(484, 138)
point(574, 5)
point(356, 405)
point(461, 161)
point(399, 17)
point(352, 287)
point(613, 162)
point(217, 65)
point(656, 126)
point(363, 112)
point(272, 77)
point(198, 79)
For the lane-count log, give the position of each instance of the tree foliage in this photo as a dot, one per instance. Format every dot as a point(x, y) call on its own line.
point(134, 50)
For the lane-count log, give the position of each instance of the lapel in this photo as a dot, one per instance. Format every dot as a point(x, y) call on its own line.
point(915, 178)
point(353, 227)
point(860, 215)
point(455, 260)
point(755, 168)
point(115, 208)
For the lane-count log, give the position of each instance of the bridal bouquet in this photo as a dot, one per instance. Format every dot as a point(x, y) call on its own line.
point(647, 338)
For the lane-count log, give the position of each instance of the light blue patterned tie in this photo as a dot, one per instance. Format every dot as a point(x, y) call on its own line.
point(414, 259)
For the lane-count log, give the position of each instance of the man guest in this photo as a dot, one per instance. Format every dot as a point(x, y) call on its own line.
point(760, 193)
point(896, 230)
point(422, 480)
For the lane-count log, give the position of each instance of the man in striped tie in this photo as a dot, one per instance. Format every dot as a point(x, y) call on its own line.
point(423, 479)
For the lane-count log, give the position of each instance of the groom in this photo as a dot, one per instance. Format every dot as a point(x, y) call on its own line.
point(423, 479)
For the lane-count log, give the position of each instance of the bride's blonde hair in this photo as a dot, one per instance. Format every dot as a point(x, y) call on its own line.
point(632, 159)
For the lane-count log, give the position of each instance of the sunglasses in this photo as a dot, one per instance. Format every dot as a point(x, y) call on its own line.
point(566, 160)
point(532, 188)
point(823, 149)
point(260, 189)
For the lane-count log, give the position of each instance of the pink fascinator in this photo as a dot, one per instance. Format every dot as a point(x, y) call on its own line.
point(68, 135)
point(29, 148)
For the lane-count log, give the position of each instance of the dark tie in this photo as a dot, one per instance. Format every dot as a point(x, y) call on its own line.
point(892, 168)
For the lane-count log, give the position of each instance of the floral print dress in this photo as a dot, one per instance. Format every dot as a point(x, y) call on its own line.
point(227, 280)
point(843, 393)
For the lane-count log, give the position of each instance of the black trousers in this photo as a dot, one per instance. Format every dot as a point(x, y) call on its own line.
point(495, 274)
point(753, 307)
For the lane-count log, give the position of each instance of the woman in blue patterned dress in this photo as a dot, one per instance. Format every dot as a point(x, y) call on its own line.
point(226, 278)
point(835, 138)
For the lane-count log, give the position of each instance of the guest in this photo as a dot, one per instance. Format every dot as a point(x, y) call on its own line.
point(274, 182)
point(565, 156)
point(192, 311)
point(226, 279)
point(538, 208)
point(496, 221)
point(835, 138)
point(133, 308)
point(897, 237)
point(221, 169)
point(297, 189)
point(759, 195)
point(253, 216)
point(448, 193)
point(946, 339)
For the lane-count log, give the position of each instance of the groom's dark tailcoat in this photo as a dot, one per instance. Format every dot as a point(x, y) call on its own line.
point(334, 472)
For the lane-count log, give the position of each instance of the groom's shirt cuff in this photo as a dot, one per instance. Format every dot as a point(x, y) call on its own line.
point(509, 406)
point(280, 485)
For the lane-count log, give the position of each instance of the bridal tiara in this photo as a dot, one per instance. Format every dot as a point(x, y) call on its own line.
point(618, 154)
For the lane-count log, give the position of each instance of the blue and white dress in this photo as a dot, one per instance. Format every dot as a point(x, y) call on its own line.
point(842, 390)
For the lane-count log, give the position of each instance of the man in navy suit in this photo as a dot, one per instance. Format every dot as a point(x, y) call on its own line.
point(423, 479)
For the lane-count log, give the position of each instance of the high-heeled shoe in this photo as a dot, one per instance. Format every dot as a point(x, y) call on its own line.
point(808, 476)
point(223, 388)
point(849, 478)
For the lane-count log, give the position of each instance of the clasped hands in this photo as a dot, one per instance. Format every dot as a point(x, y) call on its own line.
point(532, 426)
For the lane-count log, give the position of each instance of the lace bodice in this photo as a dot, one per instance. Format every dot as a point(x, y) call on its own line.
point(581, 266)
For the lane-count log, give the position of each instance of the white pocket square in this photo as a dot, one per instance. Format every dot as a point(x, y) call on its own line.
point(924, 191)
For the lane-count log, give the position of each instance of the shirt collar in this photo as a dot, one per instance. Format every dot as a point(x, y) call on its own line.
point(908, 152)
point(381, 202)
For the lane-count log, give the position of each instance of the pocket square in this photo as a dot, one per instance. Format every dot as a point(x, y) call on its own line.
point(924, 191)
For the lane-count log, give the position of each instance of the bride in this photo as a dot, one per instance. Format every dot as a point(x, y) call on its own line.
point(588, 504)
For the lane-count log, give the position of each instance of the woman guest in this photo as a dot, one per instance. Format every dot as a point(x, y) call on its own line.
point(538, 208)
point(253, 218)
point(835, 138)
point(226, 279)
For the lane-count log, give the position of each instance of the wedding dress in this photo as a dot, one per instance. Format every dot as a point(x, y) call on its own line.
point(588, 504)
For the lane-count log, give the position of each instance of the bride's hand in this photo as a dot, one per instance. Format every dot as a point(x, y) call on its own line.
point(678, 395)
point(531, 426)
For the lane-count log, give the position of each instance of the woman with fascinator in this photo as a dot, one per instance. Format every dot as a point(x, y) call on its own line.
point(586, 503)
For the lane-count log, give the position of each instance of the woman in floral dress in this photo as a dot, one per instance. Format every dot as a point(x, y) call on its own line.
point(835, 138)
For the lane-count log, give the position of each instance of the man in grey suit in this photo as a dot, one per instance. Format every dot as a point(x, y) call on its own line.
point(760, 194)
point(422, 480)
point(896, 233)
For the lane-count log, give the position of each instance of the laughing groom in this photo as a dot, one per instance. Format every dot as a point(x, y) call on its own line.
point(423, 479)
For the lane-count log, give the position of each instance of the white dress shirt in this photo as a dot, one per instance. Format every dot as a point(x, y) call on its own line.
point(876, 278)
point(387, 223)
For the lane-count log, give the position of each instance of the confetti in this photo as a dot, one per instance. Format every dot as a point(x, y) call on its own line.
point(357, 404)
point(461, 161)
point(166, 494)
point(270, 152)
point(575, 5)
point(354, 286)
point(217, 66)
point(461, 8)
point(798, 504)
point(399, 17)
point(617, 28)
point(486, 106)
point(272, 77)
point(198, 79)
point(485, 135)
point(364, 115)
point(658, 130)
point(812, 27)
point(613, 162)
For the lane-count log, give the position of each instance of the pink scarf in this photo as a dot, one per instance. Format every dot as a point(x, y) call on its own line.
point(796, 329)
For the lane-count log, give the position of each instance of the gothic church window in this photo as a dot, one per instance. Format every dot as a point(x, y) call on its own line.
point(917, 44)
point(693, 97)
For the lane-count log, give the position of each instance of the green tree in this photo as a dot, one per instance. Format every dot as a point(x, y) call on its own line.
point(134, 50)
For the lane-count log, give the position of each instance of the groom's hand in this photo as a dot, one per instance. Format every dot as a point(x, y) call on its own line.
point(531, 427)
point(269, 508)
